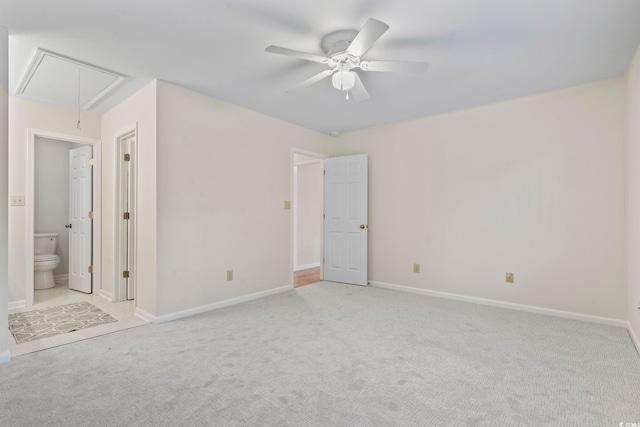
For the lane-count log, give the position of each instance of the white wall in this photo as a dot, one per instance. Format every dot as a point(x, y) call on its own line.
point(51, 193)
point(223, 174)
point(308, 212)
point(4, 339)
point(533, 186)
point(138, 109)
point(25, 114)
point(633, 194)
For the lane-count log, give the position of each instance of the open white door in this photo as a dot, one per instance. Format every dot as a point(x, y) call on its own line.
point(80, 183)
point(345, 222)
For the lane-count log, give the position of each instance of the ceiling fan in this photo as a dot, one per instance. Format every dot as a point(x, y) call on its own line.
point(344, 53)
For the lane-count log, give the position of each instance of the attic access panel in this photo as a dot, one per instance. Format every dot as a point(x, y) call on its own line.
point(53, 78)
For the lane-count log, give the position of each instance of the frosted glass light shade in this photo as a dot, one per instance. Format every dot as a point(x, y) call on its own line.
point(343, 80)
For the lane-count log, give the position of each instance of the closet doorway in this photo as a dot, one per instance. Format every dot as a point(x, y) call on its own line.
point(307, 211)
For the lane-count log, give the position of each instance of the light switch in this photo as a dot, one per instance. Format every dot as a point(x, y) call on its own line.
point(17, 201)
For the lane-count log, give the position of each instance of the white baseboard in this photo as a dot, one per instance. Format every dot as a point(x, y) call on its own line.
point(220, 304)
point(306, 266)
point(503, 304)
point(106, 295)
point(17, 304)
point(62, 279)
point(144, 315)
point(5, 357)
point(634, 337)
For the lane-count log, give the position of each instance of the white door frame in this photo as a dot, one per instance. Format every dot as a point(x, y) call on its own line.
point(120, 289)
point(292, 244)
point(32, 134)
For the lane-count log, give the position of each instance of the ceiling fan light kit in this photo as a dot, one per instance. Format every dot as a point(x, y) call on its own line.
point(344, 80)
point(343, 56)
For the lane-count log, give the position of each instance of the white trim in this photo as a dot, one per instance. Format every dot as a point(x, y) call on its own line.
point(306, 266)
point(5, 357)
point(120, 288)
point(634, 337)
point(17, 304)
point(502, 304)
point(140, 313)
point(106, 295)
point(29, 204)
point(61, 278)
point(219, 304)
point(307, 162)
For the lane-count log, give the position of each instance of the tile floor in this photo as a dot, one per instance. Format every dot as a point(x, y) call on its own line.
point(61, 294)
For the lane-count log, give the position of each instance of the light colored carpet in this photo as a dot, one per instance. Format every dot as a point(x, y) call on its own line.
point(334, 355)
point(47, 322)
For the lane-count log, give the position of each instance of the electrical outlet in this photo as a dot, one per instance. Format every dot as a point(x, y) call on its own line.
point(416, 268)
point(17, 201)
point(509, 277)
point(287, 204)
point(229, 275)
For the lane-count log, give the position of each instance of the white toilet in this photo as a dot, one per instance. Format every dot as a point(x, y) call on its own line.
point(45, 259)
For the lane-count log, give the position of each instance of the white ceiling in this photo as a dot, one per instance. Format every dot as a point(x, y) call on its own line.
point(479, 51)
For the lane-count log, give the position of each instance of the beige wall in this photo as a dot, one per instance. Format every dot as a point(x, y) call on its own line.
point(25, 114)
point(533, 186)
point(4, 355)
point(223, 174)
point(140, 110)
point(633, 194)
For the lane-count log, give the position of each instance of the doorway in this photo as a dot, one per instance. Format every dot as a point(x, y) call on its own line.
point(126, 210)
point(30, 198)
point(307, 211)
point(62, 206)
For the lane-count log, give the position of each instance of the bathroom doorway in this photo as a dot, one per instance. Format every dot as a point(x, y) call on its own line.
point(62, 202)
point(47, 204)
point(307, 213)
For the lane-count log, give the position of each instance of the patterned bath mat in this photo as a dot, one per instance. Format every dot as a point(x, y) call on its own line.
point(47, 322)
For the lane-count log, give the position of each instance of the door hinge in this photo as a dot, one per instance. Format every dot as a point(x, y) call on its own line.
point(323, 260)
point(323, 216)
point(125, 215)
point(91, 161)
point(125, 274)
point(127, 157)
point(91, 269)
point(91, 215)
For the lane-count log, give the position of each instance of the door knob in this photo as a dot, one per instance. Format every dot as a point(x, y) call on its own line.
point(362, 226)
point(67, 226)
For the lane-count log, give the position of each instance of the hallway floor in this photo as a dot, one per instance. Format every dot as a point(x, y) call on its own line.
point(123, 312)
point(306, 277)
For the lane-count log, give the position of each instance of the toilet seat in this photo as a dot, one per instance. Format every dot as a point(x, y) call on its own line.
point(46, 257)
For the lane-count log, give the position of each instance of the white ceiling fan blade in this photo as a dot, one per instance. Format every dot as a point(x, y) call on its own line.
point(311, 80)
point(395, 66)
point(296, 54)
point(367, 36)
point(358, 90)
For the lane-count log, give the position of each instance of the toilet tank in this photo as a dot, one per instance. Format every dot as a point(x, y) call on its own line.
point(45, 243)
